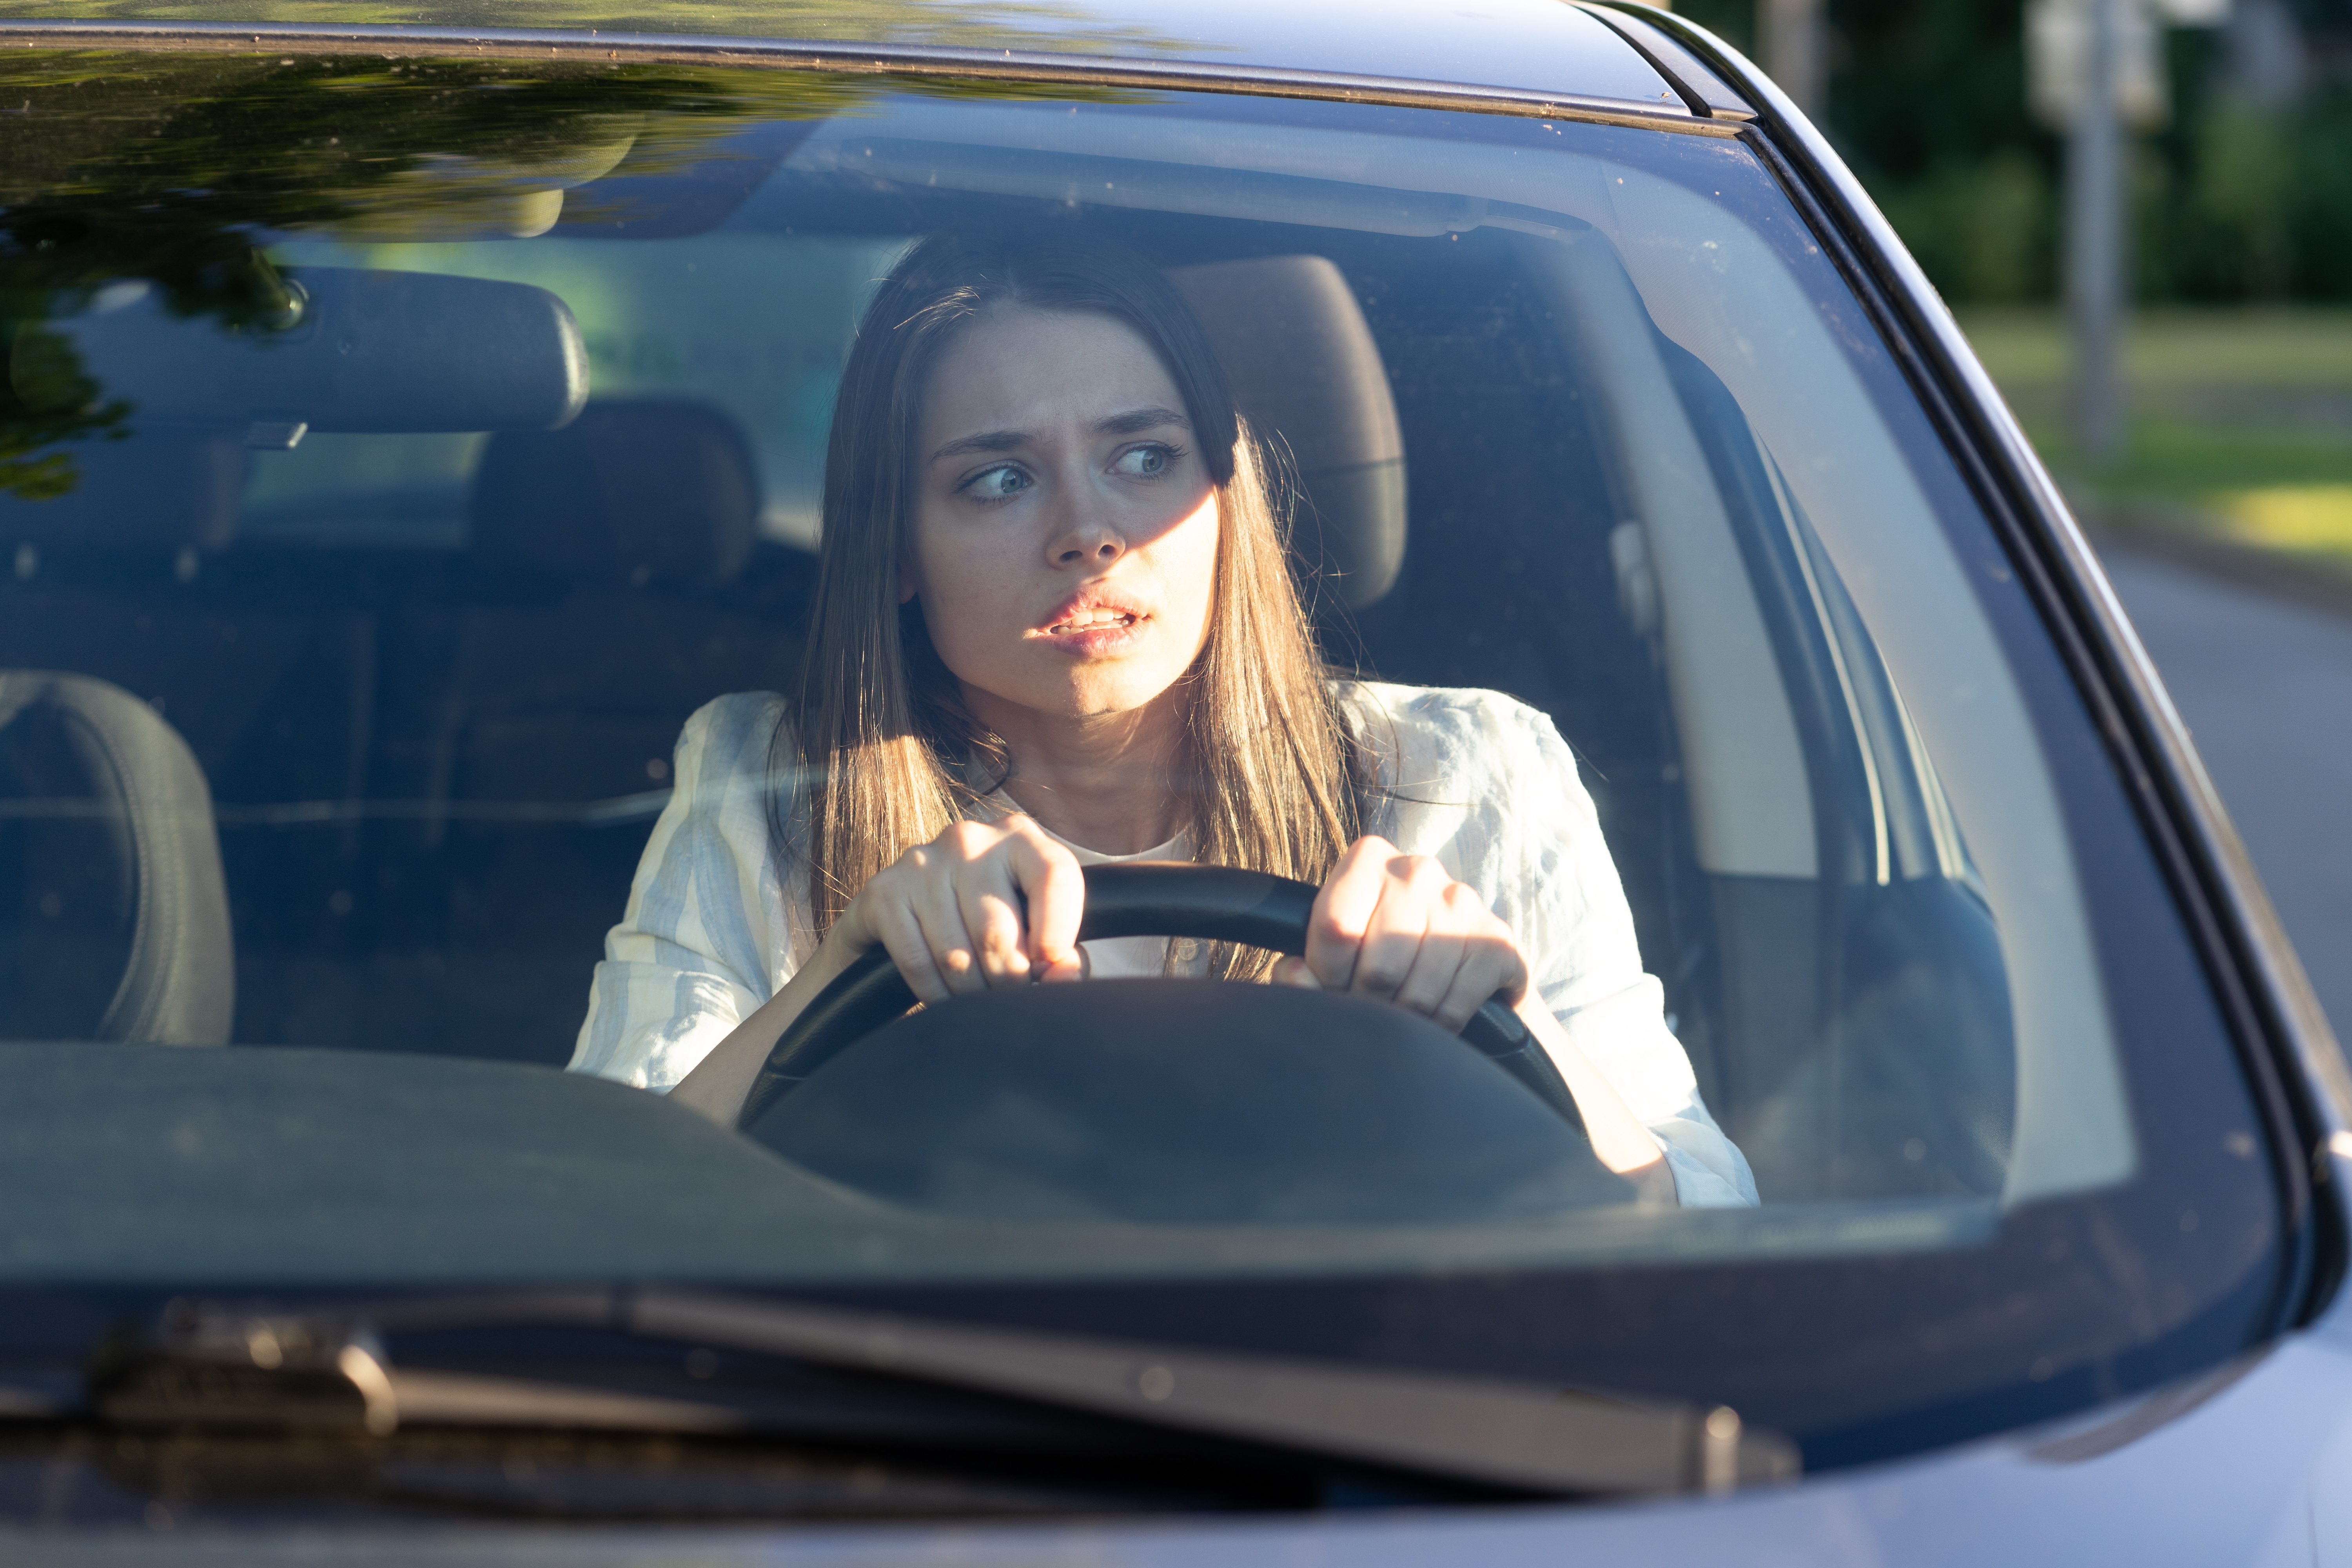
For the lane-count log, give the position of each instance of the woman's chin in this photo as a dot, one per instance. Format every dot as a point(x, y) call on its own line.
point(1094, 700)
point(1072, 691)
point(1106, 705)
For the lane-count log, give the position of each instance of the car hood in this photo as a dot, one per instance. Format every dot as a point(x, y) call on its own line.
point(2247, 1464)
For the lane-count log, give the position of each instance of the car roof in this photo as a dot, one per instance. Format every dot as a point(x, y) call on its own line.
point(1551, 48)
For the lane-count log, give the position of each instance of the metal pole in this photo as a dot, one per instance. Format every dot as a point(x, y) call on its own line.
point(1795, 45)
point(2096, 238)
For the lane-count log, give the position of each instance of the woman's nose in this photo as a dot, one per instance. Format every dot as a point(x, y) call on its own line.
point(1086, 535)
point(1106, 549)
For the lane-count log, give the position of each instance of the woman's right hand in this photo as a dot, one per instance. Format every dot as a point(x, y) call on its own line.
point(984, 905)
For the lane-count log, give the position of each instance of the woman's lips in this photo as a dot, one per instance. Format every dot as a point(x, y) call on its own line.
point(1095, 629)
point(1088, 619)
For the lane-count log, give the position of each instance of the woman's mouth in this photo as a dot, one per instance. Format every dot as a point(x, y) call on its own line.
point(1091, 629)
point(1092, 620)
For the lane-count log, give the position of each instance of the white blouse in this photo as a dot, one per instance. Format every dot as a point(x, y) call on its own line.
point(1483, 784)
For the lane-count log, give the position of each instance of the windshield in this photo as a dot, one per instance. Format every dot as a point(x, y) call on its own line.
point(414, 510)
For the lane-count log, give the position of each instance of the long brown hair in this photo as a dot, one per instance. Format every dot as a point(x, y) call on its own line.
point(880, 727)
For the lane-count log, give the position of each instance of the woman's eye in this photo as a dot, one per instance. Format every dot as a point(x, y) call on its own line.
point(997, 484)
point(1145, 462)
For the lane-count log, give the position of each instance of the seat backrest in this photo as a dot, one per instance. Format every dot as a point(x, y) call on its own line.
point(88, 763)
point(606, 556)
point(165, 495)
point(1307, 373)
point(635, 491)
point(612, 584)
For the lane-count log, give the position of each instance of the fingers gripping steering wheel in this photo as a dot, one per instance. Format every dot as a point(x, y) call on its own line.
point(1213, 903)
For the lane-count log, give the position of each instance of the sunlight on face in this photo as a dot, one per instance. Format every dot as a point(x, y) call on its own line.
point(1065, 527)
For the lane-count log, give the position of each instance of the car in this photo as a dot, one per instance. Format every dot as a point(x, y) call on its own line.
point(415, 423)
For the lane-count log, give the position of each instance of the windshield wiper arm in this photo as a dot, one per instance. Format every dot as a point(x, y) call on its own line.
point(1487, 1432)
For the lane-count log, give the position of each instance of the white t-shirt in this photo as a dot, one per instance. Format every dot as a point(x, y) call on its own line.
point(1116, 957)
point(715, 924)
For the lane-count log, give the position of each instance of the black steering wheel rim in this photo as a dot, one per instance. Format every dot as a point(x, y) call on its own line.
point(1213, 903)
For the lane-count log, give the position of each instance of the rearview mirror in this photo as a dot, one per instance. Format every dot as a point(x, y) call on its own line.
point(366, 351)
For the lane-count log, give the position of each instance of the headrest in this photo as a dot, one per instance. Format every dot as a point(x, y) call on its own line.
point(1306, 372)
point(148, 492)
point(639, 491)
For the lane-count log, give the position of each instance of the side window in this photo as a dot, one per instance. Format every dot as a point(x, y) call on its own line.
point(1867, 1047)
point(1800, 880)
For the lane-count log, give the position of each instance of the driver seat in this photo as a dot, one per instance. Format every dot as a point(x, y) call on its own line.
point(119, 928)
point(1304, 368)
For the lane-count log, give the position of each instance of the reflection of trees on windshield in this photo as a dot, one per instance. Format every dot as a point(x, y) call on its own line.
point(1059, 25)
point(176, 169)
point(50, 400)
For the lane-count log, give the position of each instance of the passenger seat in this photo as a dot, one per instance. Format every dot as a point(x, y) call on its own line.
point(615, 582)
point(603, 557)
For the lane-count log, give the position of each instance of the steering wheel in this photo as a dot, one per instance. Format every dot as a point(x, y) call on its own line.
point(1213, 903)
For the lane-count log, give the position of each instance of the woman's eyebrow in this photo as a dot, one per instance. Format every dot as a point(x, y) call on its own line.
point(986, 441)
point(1136, 419)
point(1126, 423)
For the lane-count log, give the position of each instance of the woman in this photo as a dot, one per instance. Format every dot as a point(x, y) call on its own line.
point(1053, 625)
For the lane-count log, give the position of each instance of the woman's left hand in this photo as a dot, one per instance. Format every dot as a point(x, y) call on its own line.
point(1396, 926)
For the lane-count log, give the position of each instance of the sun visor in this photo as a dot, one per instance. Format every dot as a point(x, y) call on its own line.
point(371, 351)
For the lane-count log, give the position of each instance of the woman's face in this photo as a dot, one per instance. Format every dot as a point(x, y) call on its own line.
point(1064, 525)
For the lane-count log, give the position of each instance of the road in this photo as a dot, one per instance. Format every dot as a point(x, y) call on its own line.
point(2266, 686)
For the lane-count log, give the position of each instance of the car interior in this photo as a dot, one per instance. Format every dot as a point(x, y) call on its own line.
point(411, 738)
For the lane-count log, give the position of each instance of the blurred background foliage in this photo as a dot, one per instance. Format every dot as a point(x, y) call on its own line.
point(2237, 360)
point(2244, 196)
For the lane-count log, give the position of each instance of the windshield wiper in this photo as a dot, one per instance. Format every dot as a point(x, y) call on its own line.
point(201, 1366)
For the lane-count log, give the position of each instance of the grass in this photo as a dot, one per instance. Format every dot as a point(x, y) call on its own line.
point(2263, 348)
point(2239, 421)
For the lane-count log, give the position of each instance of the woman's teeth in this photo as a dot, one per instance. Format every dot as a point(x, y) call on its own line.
point(1087, 620)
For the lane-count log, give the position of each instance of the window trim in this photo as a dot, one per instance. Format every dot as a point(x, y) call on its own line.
point(937, 62)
